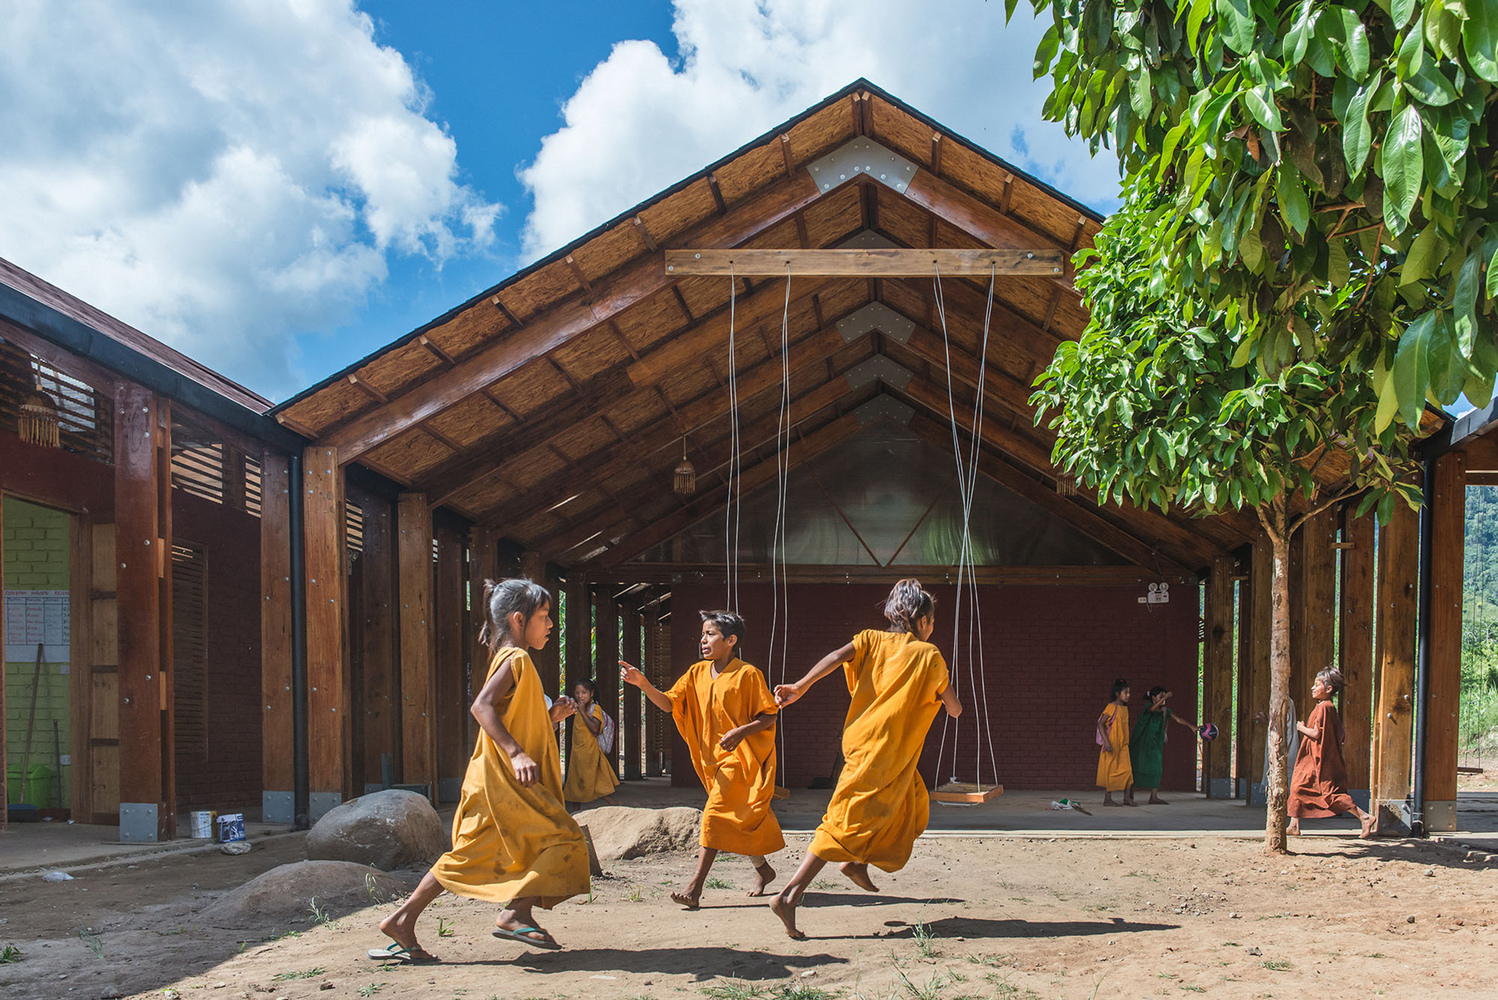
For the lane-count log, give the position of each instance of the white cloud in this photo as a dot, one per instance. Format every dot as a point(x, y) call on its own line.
point(223, 176)
point(637, 123)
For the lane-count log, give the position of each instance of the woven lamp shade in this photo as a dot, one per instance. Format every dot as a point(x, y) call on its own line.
point(684, 480)
point(38, 420)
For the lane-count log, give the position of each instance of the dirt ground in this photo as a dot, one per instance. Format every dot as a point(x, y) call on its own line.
point(969, 917)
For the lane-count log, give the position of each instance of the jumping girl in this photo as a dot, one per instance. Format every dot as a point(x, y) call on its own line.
point(513, 842)
point(1318, 787)
point(897, 680)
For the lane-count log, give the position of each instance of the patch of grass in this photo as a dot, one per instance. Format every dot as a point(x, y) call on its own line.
point(714, 882)
point(924, 936)
point(797, 991)
point(1276, 965)
point(1004, 988)
point(733, 989)
point(1166, 975)
point(371, 989)
point(10, 955)
point(1194, 989)
point(1378, 954)
point(445, 927)
point(636, 894)
point(932, 989)
point(92, 940)
point(291, 974)
point(320, 915)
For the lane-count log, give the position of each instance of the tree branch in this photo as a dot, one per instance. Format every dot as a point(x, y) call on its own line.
point(1347, 494)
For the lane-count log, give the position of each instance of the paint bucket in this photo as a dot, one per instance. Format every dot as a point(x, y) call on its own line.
point(200, 822)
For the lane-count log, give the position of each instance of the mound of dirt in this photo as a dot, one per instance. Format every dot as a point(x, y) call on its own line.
point(288, 894)
point(621, 833)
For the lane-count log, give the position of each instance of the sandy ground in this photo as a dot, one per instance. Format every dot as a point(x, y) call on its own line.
point(969, 917)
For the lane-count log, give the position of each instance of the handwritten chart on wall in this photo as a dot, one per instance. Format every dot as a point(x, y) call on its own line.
point(37, 616)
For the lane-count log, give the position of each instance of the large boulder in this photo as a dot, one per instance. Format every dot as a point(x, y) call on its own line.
point(305, 892)
point(621, 833)
point(389, 830)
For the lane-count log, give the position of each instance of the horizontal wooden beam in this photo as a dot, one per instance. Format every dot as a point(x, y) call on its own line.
point(874, 262)
point(1013, 576)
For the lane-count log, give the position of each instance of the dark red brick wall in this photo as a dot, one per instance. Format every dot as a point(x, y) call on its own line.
point(1050, 657)
point(230, 774)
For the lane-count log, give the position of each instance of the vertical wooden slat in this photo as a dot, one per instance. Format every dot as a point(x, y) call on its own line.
point(483, 562)
point(451, 663)
point(1217, 778)
point(166, 662)
point(1447, 510)
point(605, 666)
point(1398, 555)
point(81, 644)
point(325, 568)
point(546, 659)
point(103, 670)
point(1243, 721)
point(276, 734)
point(4, 737)
point(137, 519)
point(1313, 596)
point(1356, 659)
point(632, 731)
point(418, 643)
point(654, 717)
point(372, 636)
point(1261, 606)
point(234, 478)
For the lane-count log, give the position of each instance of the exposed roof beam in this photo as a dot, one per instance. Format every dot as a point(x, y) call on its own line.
point(865, 262)
point(611, 295)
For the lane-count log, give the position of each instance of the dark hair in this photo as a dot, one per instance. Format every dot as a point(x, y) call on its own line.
point(729, 624)
point(1119, 686)
point(1332, 678)
point(502, 600)
point(1157, 689)
point(907, 602)
point(586, 682)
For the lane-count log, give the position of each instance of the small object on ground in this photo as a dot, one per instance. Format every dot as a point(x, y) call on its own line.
point(519, 934)
point(236, 847)
point(56, 876)
point(1410, 919)
point(230, 827)
point(1070, 804)
point(396, 953)
point(1207, 731)
point(1255, 951)
point(594, 868)
point(201, 822)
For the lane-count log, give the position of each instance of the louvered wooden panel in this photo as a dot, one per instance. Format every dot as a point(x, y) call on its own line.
point(85, 417)
point(190, 648)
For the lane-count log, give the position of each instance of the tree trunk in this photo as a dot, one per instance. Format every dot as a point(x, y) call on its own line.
point(1276, 780)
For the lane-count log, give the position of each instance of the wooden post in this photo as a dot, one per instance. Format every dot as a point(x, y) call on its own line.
point(546, 659)
point(277, 798)
point(1261, 580)
point(1313, 612)
point(418, 643)
point(1447, 509)
point(325, 567)
point(1356, 660)
point(631, 743)
point(1217, 776)
point(372, 645)
point(605, 665)
point(165, 619)
point(141, 566)
point(483, 559)
point(654, 718)
point(1398, 555)
point(1243, 722)
point(450, 664)
point(234, 477)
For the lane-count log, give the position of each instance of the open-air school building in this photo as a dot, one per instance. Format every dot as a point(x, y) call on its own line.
point(215, 602)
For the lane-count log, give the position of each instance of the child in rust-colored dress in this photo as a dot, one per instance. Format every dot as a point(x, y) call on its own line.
point(1318, 786)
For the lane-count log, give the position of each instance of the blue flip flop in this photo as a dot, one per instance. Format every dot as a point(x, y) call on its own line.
point(400, 954)
point(519, 934)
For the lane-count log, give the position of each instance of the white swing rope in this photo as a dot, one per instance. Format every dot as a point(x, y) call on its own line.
point(730, 521)
point(967, 472)
point(779, 585)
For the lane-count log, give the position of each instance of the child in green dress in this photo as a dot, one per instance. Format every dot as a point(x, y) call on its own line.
point(1147, 742)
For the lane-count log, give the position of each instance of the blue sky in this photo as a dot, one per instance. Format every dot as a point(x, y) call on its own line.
point(279, 188)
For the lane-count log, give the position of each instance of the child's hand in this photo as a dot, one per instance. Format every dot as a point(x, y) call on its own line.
point(786, 694)
point(631, 674)
point(562, 708)
point(731, 739)
point(526, 769)
point(1107, 745)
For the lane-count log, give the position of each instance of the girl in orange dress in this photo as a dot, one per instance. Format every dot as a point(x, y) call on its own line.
point(725, 712)
point(1318, 786)
point(897, 680)
point(1115, 772)
point(513, 841)
point(590, 771)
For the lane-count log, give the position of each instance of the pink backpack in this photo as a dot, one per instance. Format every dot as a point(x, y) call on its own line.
point(606, 734)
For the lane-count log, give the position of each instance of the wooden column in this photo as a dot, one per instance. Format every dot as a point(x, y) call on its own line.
point(1356, 648)
point(1393, 730)
point(325, 566)
point(144, 558)
point(1217, 776)
point(654, 717)
point(547, 659)
point(418, 643)
point(482, 566)
point(632, 731)
point(450, 664)
point(1447, 510)
point(1243, 721)
point(606, 663)
point(372, 647)
point(277, 798)
point(1261, 581)
point(165, 618)
point(1313, 605)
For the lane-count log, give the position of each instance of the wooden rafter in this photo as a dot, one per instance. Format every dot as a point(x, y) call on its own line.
point(876, 261)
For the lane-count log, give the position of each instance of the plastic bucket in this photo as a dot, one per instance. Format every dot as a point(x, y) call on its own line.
point(38, 786)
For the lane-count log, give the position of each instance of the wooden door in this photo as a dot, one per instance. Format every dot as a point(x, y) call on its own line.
point(102, 664)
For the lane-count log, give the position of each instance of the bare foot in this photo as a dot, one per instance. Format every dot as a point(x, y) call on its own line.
point(689, 900)
point(1293, 829)
point(1110, 802)
point(859, 875)
point(1367, 827)
point(765, 875)
point(1130, 802)
point(402, 930)
point(787, 914)
point(1155, 800)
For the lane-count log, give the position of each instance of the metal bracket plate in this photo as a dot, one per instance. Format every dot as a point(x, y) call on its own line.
point(278, 807)
point(319, 804)
point(876, 316)
point(880, 369)
point(138, 823)
point(862, 156)
point(883, 407)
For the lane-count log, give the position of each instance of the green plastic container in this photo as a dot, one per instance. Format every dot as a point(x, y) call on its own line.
point(38, 785)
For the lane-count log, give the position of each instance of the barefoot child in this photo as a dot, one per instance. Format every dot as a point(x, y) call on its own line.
point(513, 842)
point(1318, 787)
point(723, 709)
point(1147, 742)
point(897, 680)
point(1114, 772)
point(590, 771)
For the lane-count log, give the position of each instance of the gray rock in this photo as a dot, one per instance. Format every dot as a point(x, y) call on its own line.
point(297, 893)
point(389, 830)
point(621, 833)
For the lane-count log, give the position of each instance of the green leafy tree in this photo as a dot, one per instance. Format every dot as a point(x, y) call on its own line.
point(1151, 406)
point(1307, 148)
